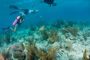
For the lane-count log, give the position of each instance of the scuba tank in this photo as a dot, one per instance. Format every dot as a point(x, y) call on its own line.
point(14, 23)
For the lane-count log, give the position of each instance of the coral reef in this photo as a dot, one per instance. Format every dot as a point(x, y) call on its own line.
point(13, 39)
point(88, 58)
point(50, 55)
point(58, 23)
point(72, 23)
point(85, 55)
point(42, 42)
point(65, 31)
point(69, 45)
point(18, 51)
point(42, 28)
point(74, 31)
point(7, 39)
point(32, 28)
point(31, 54)
point(34, 54)
point(22, 46)
point(86, 34)
point(53, 36)
point(30, 40)
point(6, 54)
point(44, 34)
point(19, 55)
point(66, 25)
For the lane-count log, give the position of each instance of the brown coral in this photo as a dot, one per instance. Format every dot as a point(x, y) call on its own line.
point(34, 54)
point(50, 55)
point(22, 46)
point(53, 36)
point(41, 54)
point(31, 54)
point(30, 40)
point(19, 55)
point(74, 30)
point(64, 31)
point(85, 55)
point(44, 34)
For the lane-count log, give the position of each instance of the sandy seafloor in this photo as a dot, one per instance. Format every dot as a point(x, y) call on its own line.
point(71, 47)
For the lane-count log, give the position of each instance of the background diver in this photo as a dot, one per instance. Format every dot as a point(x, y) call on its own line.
point(25, 11)
point(20, 19)
point(50, 2)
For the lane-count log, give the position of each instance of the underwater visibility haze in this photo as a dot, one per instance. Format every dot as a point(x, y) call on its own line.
point(44, 29)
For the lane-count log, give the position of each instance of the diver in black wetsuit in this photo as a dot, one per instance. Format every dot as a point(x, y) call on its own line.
point(50, 2)
point(25, 11)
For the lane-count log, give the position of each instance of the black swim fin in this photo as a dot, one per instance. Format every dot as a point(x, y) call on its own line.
point(13, 7)
point(6, 29)
point(14, 12)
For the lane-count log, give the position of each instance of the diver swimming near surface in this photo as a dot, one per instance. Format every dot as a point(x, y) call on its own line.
point(25, 11)
point(20, 19)
point(50, 2)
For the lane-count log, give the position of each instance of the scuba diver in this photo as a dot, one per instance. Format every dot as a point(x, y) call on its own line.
point(20, 19)
point(50, 2)
point(25, 11)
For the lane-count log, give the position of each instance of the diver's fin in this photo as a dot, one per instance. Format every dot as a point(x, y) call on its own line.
point(14, 12)
point(5, 29)
point(13, 7)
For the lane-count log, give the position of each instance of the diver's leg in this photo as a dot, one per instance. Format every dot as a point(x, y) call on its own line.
point(14, 12)
point(21, 9)
point(14, 30)
point(11, 29)
point(13, 6)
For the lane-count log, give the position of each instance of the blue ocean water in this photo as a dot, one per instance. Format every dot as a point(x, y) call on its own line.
point(65, 9)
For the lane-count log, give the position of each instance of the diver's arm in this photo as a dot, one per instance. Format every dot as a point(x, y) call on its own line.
point(21, 21)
